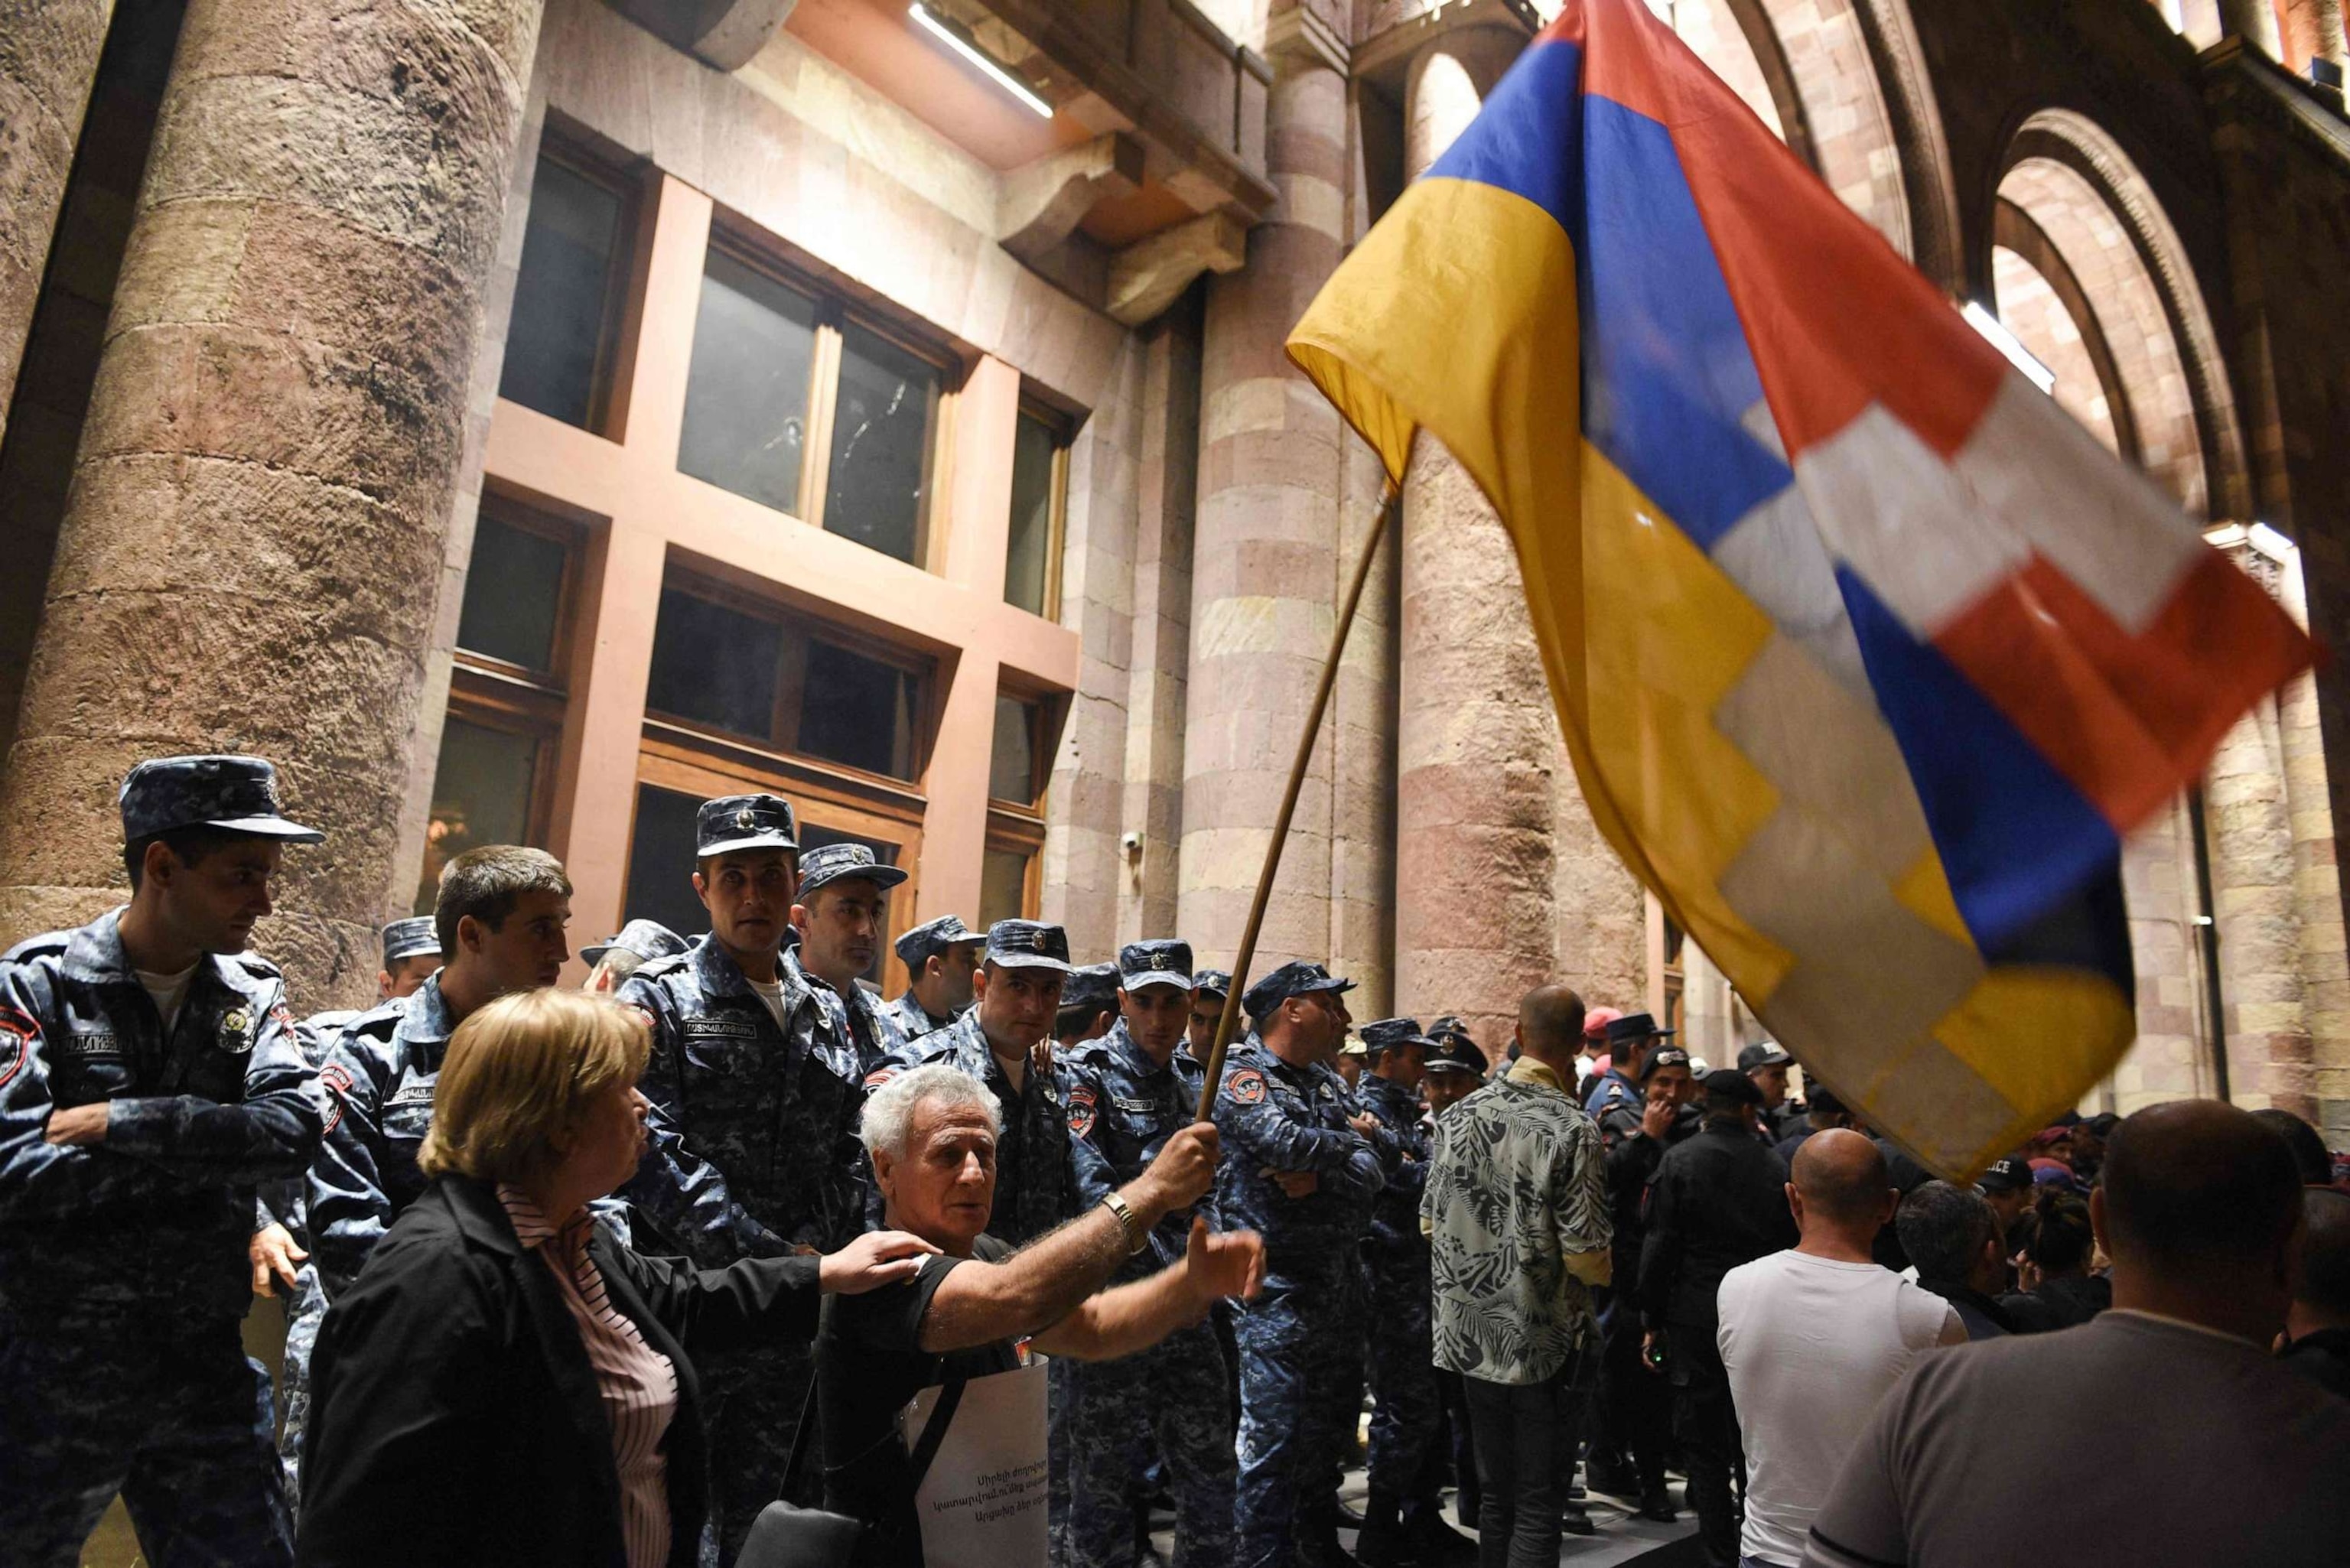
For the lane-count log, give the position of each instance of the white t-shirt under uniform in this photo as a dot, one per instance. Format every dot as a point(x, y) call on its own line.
point(1812, 1345)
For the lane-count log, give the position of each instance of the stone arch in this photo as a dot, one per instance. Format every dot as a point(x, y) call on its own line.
point(2075, 212)
point(1844, 85)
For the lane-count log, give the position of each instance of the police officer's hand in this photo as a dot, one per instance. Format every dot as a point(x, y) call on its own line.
point(1184, 1171)
point(1364, 1123)
point(1652, 1351)
point(1657, 1117)
point(1220, 1265)
point(1296, 1183)
point(1040, 1056)
point(876, 1259)
point(77, 1125)
point(273, 1254)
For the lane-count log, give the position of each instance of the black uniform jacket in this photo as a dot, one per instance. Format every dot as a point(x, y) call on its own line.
point(455, 1418)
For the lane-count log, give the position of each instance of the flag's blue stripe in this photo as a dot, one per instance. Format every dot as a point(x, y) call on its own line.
point(1666, 374)
point(2018, 842)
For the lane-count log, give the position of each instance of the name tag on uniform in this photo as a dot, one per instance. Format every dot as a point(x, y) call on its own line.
point(419, 1095)
point(1133, 1107)
point(706, 1028)
point(94, 1046)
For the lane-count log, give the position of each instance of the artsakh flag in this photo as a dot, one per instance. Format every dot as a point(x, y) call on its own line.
point(1868, 655)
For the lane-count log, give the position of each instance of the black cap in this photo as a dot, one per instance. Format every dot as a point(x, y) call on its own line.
point(2009, 1173)
point(935, 937)
point(1455, 1054)
point(823, 866)
point(235, 794)
point(734, 822)
point(1728, 1086)
point(649, 940)
point(1295, 977)
point(1762, 1053)
point(1028, 944)
point(1634, 1027)
point(1091, 985)
point(407, 938)
point(1671, 1056)
point(1154, 964)
point(1385, 1033)
point(1449, 1026)
point(1216, 983)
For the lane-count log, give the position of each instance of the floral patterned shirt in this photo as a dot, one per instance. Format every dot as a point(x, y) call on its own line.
point(1517, 1182)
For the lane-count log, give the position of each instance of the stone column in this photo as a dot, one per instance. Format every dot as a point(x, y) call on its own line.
point(1265, 555)
point(250, 557)
point(1501, 880)
point(49, 58)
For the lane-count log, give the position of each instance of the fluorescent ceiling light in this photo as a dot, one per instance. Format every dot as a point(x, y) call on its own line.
point(954, 39)
point(2000, 338)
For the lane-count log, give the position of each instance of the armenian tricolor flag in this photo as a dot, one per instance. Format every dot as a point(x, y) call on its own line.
point(1868, 655)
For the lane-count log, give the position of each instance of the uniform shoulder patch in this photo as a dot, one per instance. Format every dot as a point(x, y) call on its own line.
point(256, 966)
point(1081, 1093)
point(338, 1079)
point(1246, 1087)
point(880, 1076)
point(17, 1032)
point(1081, 1117)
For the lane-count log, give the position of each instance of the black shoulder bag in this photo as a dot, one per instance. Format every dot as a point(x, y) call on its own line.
point(785, 1535)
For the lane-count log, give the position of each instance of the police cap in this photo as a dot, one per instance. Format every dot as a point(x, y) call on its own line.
point(1091, 985)
point(235, 794)
point(734, 822)
point(1154, 964)
point(409, 937)
point(936, 935)
point(1632, 1028)
point(1387, 1034)
point(1028, 944)
point(1296, 978)
point(649, 940)
point(1762, 1053)
point(1456, 1054)
point(1215, 982)
point(1668, 1057)
point(821, 868)
point(1726, 1087)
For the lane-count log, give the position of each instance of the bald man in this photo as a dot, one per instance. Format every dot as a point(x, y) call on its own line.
point(1813, 1337)
point(2200, 1212)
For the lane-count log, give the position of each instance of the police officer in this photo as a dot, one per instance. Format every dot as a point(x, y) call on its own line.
point(1634, 1413)
point(1400, 1523)
point(840, 913)
point(502, 913)
point(1767, 1064)
point(1456, 1069)
point(1089, 1006)
point(411, 951)
point(1207, 1008)
point(940, 956)
point(1719, 1199)
point(1629, 1040)
point(1126, 1099)
point(1301, 1167)
point(612, 961)
point(1005, 1042)
point(150, 1079)
point(753, 1149)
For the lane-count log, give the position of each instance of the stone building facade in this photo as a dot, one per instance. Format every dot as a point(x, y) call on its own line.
point(520, 419)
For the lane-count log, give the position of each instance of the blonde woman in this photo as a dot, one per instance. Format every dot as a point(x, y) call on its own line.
point(505, 1384)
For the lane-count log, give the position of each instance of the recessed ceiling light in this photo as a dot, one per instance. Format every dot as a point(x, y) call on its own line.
point(994, 70)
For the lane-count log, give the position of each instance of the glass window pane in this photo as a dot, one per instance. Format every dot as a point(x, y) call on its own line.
point(815, 836)
point(1027, 568)
point(514, 593)
point(1003, 886)
point(1012, 768)
point(858, 711)
point(746, 391)
point(880, 444)
point(660, 863)
point(714, 665)
point(555, 338)
point(480, 795)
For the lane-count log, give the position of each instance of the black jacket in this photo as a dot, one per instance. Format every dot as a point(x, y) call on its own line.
point(1716, 1201)
point(453, 1416)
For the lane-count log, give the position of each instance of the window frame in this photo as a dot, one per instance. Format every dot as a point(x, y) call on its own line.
point(1065, 434)
point(606, 397)
point(835, 312)
point(799, 627)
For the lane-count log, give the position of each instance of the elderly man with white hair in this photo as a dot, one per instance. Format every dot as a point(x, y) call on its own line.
point(931, 1133)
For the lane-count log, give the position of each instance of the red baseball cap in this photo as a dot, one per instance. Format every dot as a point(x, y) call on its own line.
point(1596, 1022)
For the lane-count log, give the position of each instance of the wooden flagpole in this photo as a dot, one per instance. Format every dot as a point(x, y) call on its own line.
point(1390, 502)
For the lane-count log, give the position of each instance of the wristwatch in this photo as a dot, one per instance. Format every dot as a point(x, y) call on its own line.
point(1135, 1235)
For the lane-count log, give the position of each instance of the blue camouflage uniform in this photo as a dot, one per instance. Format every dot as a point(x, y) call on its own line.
point(916, 947)
point(1404, 1419)
point(288, 1203)
point(858, 1016)
point(381, 1076)
point(123, 1271)
point(754, 1153)
point(1123, 1108)
point(1301, 1341)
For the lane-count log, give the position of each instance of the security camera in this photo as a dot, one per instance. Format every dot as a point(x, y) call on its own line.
point(1131, 842)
